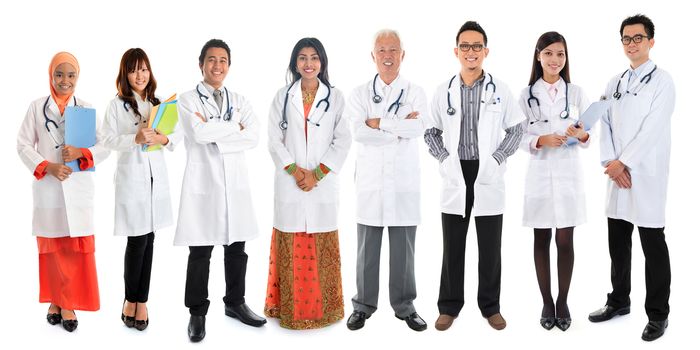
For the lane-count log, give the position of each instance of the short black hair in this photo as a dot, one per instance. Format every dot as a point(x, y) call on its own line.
point(471, 25)
point(214, 43)
point(639, 19)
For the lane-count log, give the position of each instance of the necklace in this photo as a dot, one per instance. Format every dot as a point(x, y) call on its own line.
point(308, 95)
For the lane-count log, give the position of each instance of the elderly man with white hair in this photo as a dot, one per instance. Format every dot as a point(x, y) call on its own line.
point(387, 118)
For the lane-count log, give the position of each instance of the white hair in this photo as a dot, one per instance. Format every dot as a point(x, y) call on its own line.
point(384, 33)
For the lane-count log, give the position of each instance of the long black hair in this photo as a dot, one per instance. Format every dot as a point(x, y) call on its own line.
point(545, 40)
point(315, 44)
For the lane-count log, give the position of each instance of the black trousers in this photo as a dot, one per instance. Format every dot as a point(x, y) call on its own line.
point(197, 284)
point(657, 267)
point(454, 237)
point(138, 259)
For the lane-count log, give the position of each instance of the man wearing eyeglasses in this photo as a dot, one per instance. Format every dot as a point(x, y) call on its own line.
point(470, 113)
point(635, 147)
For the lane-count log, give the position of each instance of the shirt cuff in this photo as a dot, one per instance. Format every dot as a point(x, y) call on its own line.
point(291, 168)
point(499, 156)
point(40, 170)
point(86, 162)
point(443, 155)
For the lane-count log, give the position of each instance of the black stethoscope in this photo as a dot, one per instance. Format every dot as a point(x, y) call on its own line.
point(141, 118)
point(377, 99)
point(284, 124)
point(229, 109)
point(48, 121)
point(645, 80)
point(450, 109)
point(563, 115)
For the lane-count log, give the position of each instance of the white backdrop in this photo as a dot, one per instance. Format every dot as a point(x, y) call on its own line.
point(261, 35)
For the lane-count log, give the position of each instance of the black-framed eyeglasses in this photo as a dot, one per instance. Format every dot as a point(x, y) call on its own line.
point(464, 47)
point(637, 39)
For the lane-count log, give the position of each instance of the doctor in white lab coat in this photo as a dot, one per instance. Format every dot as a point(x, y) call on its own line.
point(388, 114)
point(635, 149)
point(554, 193)
point(216, 205)
point(63, 200)
point(469, 114)
point(142, 193)
point(309, 140)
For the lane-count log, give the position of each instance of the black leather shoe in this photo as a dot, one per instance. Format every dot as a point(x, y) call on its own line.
point(414, 322)
point(245, 315)
point(357, 320)
point(607, 312)
point(128, 320)
point(654, 330)
point(69, 325)
point(53, 319)
point(196, 330)
point(141, 324)
point(547, 322)
point(563, 323)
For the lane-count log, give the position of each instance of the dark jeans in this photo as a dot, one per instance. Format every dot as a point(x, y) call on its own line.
point(197, 284)
point(138, 259)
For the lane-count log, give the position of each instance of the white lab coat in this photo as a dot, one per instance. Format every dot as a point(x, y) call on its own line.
point(140, 206)
point(216, 206)
point(554, 190)
point(387, 170)
point(637, 131)
point(61, 208)
point(498, 111)
point(328, 143)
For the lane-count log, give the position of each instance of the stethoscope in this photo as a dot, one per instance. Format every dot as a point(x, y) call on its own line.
point(645, 80)
point(284, 124)
point(450, 109)
point(377, 99)
point(141, 118)
point(48, 121)
point(563, 115)
point(229, 109)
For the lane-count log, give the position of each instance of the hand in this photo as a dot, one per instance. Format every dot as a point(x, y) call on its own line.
point(614, 168)
point(160, 139)
point(624, 180)
point(577, 131)
point(59, 171)
point(70, 153)
point(299, 175)
point(144, 136)
point(551, 140)
point(241, 125)
point(200, 116)
point(413, 115)
point(308, 182)
point(372, 123)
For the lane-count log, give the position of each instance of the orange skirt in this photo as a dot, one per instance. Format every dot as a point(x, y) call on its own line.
point(304, 286)
point(67, 273)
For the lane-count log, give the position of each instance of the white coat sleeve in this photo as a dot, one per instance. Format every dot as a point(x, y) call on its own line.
point(659, 117)
point(340, 145)
point(111, 138)
point(99, 151)
point(203, 132)
point(512, 112)
point(26, 141)
point(362, 133)
point(275, 135)
point(241, 140)
point(529, 141)
point(409, 128)
point(607, 148)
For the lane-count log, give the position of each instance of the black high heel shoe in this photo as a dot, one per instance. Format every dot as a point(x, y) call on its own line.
point(563, 323)
point(140, 324)
point(70, 325)
point(53, 318)
point(129, 321)
point(547, 322)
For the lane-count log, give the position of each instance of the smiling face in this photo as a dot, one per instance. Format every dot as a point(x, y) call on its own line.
point(308, 63)
point(64, 79)
point(637, 53)
point(139, 78)
point(552, 58)
point(471, 60)
point(388, 55)
point(215, 66)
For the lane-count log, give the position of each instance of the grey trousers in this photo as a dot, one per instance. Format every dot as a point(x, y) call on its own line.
point(402, 281)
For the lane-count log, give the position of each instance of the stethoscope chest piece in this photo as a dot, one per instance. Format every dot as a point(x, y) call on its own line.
point(451, 111)
point(377, 99)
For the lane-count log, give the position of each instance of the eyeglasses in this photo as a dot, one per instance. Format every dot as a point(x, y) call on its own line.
point(626, 40)
point(464, 47)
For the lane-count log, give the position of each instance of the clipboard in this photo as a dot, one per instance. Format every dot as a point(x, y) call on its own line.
point(591, 116)
point(80, 131)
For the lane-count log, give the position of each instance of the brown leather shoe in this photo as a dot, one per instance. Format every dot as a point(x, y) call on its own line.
point(444, 322)
point(497, 322)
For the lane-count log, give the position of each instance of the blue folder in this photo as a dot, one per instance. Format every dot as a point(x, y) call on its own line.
point(80, 130)
point(591, 116)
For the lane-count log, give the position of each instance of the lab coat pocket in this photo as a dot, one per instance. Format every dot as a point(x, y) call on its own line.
point(488, 171)
point(368, 172)
point(537, 180)
point(130, 183)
